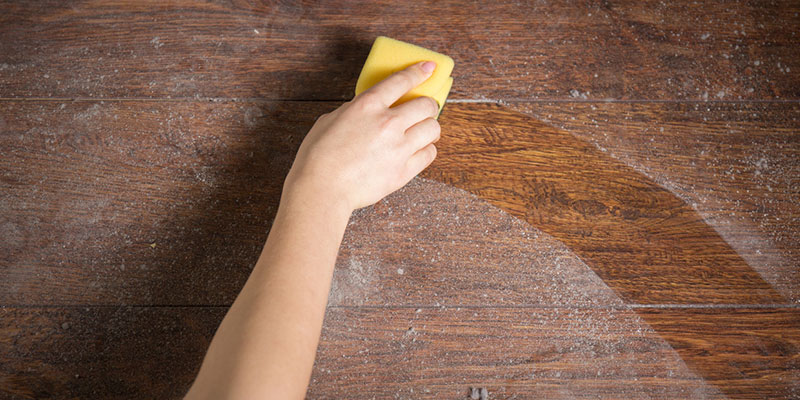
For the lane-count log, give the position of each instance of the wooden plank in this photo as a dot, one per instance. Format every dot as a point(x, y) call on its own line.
point(433, 245)
point(169, 203)
point(737, 164)
point(543, 50)
point(140, 202)
point(643, 241)
point(102, 352)
point(439, 352)
point(736, 349)
point(512, 352)
point(560, 353)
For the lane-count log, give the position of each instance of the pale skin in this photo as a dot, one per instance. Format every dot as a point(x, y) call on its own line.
point(351, 158)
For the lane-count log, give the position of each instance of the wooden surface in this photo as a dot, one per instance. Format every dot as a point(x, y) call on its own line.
point(366, 352)
point(504, 50)
point(735, 163)
point(646, 243)
point(592, 228)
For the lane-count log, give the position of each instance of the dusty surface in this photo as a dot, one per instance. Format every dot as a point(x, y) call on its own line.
point(426, 230)
point(143, 147)
point(392, 250)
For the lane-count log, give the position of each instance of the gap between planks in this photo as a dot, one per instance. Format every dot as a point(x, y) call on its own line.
point(452, 101)
point(427, 307)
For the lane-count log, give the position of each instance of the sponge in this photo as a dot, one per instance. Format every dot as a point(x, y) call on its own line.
point(389, 56)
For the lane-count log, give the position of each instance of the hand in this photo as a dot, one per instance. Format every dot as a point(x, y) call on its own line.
point(366, 149)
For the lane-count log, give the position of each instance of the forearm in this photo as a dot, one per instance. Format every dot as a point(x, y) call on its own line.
point(269, 337)
point(352, 157)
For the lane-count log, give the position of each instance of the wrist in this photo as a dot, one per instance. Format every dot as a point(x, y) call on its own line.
point(306, 198)
point(307, 186)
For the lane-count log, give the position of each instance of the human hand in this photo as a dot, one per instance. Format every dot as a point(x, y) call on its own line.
point(366, 149)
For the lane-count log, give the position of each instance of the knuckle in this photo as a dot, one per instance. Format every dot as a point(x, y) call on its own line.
point(389, 122)
point(366, 100)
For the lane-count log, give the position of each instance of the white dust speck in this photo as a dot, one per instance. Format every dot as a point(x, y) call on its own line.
point(576, 94)
point(156, 42)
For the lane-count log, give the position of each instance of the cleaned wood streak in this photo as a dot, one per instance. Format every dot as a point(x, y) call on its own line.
point(737, 164)
point(112, 352)
point(313, 50)
point(645, 243)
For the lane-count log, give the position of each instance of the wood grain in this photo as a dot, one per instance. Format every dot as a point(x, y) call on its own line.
point(102, 352)
point(139, 203)
point(736, 350)
point(559, 353)
point(90, 186)
point(737, 164)
point(314, 50)
point(122, 352)
point(169, 203)
point(637, 233)
point(643, 241)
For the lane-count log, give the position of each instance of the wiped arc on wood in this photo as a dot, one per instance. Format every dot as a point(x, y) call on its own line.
point(646, 244)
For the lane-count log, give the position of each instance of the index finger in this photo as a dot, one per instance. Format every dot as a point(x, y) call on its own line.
point(391, 89)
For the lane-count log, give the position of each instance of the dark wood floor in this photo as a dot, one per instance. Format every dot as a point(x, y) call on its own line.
point(614, 211)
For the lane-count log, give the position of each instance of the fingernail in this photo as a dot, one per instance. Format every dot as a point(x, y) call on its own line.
point(428, 66)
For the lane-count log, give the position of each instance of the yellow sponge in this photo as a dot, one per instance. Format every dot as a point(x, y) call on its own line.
point(389, 56)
